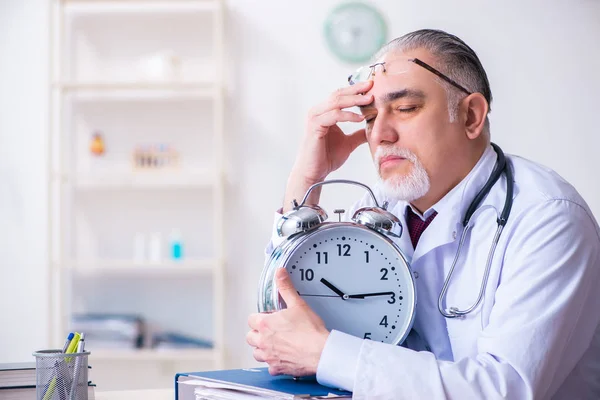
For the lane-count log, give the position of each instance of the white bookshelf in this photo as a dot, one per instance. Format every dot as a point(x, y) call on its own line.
point(131, 268)
point(167, 180)
point(142, 74)
point(156, 355)
point(136, 7)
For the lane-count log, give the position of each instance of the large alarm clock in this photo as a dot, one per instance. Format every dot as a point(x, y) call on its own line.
point(351, 274)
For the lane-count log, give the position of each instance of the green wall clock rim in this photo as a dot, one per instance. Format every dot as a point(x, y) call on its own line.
point(382, 32)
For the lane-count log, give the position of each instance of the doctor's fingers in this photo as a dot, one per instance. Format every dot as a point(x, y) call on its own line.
point(340, 101)
point(259, 355)
point(275, 366)
point(330, 118)
point(257, 321)
point(253, 338)
point(286, 289)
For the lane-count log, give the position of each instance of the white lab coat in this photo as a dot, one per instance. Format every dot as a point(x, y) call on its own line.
point(536, 333)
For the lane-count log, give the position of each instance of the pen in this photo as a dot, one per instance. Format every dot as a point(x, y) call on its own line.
point(81, 344)
point(69, 338)
point(62, 369)
point(75, 383)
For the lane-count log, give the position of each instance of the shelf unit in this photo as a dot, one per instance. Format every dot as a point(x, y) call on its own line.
point(155, 355)
point(149, 269)
point(109, 68)
point(142, 180)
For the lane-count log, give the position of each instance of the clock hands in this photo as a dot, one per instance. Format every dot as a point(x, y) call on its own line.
point(317, 295)
point(363, 295)
point(334, 289)
point(345, 296)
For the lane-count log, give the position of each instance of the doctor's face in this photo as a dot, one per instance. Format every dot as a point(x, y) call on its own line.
point(408, 128)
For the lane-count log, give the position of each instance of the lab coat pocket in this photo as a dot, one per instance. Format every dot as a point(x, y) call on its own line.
point(463, 333)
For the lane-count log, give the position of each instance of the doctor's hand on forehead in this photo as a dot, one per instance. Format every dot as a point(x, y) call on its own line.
point(325, 147)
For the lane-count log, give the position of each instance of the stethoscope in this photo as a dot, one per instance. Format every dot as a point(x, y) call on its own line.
point(501, 167)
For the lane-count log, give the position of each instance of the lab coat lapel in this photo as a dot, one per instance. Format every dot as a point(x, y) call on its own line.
point(404, 241)
point(446, 227)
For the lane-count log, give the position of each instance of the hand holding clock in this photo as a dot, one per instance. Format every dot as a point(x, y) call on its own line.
point(290, 341)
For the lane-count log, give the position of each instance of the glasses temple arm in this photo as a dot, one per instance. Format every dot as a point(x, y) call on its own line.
point(438, 73)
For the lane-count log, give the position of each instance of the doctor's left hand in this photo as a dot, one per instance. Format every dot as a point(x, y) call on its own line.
point(290, 341)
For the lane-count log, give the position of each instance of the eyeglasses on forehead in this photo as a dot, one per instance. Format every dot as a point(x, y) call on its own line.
point(364, 73)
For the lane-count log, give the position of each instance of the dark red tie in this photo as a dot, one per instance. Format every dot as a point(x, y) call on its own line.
point(416, 226)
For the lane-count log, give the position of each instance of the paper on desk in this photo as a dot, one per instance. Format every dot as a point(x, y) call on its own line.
point(254, 393)
point(204, 393)
point(207, 390)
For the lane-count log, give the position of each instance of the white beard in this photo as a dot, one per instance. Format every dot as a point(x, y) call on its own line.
point(403, 187)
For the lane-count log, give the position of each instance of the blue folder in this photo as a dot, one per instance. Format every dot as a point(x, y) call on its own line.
point(260, 378)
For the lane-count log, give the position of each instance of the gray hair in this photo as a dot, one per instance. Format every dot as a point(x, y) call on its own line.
point(456, 60)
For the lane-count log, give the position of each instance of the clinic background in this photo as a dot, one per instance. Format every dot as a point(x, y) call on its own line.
point(542, 59)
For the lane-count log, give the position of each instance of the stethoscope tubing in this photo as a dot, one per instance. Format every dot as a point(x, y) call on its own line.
point(501, 167)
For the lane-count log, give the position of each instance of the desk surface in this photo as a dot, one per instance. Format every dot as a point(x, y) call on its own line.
point(155, 394)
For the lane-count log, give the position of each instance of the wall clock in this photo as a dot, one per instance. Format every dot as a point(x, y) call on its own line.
point(354, 31)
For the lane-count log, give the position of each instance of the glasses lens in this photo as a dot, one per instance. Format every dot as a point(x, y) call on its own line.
point(360, 75)
point(390, 67)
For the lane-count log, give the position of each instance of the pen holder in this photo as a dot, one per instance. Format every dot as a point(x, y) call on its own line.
point(61, 376)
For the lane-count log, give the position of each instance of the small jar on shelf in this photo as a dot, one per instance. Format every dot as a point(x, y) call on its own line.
point(155, 157)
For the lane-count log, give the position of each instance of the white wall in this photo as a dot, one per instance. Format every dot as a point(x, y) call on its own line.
point(23, 113)
point(542, 59)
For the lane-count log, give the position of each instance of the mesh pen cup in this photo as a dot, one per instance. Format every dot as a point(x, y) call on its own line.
point(61, 376)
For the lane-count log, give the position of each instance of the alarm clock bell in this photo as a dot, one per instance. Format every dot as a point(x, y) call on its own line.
point(303, 217)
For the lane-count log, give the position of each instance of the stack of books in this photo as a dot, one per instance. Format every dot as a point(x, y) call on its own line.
point(18, 380)
point(250, 384)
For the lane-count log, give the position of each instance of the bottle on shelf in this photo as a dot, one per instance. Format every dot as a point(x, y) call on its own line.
point(176, 245)
point(155, 248)
point(154, 157)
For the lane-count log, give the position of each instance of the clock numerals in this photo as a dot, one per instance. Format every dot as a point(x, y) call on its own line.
point(308, 274)
point(384, 321)
point(322, 257)
point(367, 256)
point(367, 335)
point(384, 271)
point(392, 299)
point(343, 250)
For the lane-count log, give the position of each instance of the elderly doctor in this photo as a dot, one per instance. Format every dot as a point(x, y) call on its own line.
point(535, 333)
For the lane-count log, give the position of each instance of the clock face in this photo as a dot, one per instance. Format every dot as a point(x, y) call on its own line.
point(356, 281)
point(355, 31)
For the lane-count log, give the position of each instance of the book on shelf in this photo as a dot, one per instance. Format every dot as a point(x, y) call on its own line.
point(110, 331)
point(129, 332)
point(174, 340)
point(249, 383)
